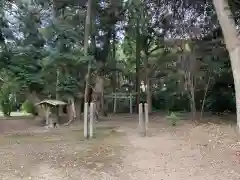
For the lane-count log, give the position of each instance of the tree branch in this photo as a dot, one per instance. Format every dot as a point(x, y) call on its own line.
point(154, 49)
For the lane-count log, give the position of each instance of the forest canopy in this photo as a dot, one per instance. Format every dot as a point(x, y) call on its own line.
point(176, 48)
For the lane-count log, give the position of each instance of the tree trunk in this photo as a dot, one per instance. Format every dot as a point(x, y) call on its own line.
point(86, 44)
point(204, 97)
point(78, 106)
point(192, 94)
point(235, 57)
point(147, 81)
point(138, 56)
point(71, 111)
point(231, 38)
point(97, 95)
point(149, 95)
point(114, 75)
point(193, 103)
point(59, 109)
point(86, 38)
point(57, 83)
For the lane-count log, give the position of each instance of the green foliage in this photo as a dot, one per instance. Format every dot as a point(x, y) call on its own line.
point(28, 107)
point(6, 106)
point(68, 86)
point(6, 99)
point(49, 39)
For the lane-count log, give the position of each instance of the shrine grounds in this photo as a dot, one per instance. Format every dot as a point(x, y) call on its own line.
point(190, 150)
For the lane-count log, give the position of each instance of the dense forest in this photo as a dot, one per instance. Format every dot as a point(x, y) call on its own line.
point(63, 49)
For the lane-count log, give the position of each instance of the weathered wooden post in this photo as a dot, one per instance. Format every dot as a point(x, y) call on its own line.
point(115, 102)
point(91, 121)
point(146, 117)
point(130, 103)
point(85, 120)
point(47, 114)
point(141, 121)
point(89, 115)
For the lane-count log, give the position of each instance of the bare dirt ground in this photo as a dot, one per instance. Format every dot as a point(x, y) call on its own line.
point(187, 151)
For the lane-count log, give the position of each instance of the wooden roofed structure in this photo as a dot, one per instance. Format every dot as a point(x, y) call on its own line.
point(48, 104)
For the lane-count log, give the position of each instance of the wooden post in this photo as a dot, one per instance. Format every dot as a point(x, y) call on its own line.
point(50, 120)
point(146, 117)
point(141, 121)
point(91, 121)
point(131, 111)
point(115, 103)
point(47, 115)
point(86, 120)
point(58, 110)
point(73, 109)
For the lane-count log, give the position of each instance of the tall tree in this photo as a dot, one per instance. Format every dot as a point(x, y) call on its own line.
point(231, 37)
point(86, 44)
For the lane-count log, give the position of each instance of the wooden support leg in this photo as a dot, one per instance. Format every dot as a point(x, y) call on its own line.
point(47, 116)
point(131, 111)
point(86, 120)
point(141, 121)
point(146, 117)
point(91, 121)
point(115, 104)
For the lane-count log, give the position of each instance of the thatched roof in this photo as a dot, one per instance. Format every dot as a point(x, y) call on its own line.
point(52, 102)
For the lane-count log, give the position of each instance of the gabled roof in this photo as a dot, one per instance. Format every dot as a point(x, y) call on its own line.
point(52, 102)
